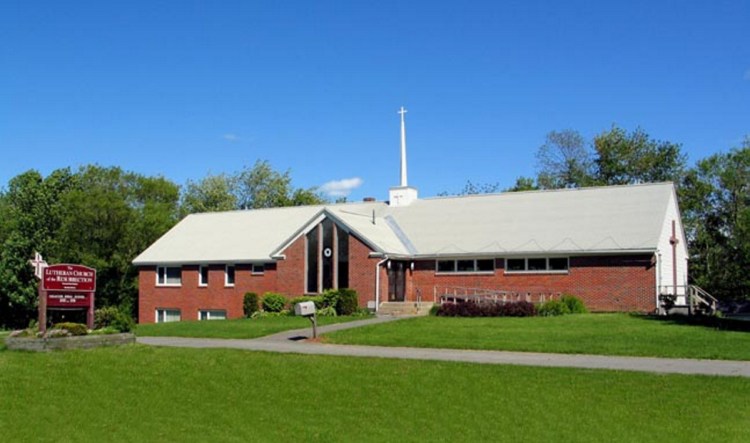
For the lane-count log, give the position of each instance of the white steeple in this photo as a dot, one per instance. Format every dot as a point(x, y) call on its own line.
point(403, 194)
point(403, 147)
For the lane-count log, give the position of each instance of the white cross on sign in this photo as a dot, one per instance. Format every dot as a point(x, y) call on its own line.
point(39, 264)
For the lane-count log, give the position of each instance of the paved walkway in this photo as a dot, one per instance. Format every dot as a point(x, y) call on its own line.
point(294, 342)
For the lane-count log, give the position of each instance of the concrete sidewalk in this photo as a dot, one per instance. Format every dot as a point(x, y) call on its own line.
point(294, 342)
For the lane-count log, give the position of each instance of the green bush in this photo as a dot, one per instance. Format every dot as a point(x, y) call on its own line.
point(250, 304)
point(575, 305)
point(348, 302)
point(112, 316)
point(73, 328)
point(553, 308)
point(330, 298)
point(434, 309)
point(328, 311)
point(273, 302)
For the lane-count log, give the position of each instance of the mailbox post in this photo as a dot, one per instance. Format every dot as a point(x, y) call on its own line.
point(307, 309)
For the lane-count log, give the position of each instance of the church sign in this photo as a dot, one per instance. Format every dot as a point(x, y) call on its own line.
point(63, 287)
point(67, 278)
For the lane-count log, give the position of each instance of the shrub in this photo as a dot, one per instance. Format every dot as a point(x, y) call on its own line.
point(250, 304)
point(112, 316)
point(328, 311)
point(72, 328)
point(348, 302)
point(57, 333)
point(434, 309)
point(273, 302)
point(330, 298)
point(575, 305)
point(553, 308)
point(486, 309)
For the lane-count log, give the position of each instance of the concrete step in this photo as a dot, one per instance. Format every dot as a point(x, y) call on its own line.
point(404, 308)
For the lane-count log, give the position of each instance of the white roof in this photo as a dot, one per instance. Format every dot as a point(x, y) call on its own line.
point(589, 220)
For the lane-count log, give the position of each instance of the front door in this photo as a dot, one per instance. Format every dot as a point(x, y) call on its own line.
point(396, 281)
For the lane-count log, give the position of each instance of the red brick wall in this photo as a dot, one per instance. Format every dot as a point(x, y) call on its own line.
point(190, 298)
point(290, 278)
point(362, 272)
point(605, 283)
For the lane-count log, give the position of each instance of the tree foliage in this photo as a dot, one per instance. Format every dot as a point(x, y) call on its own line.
point(626, 158)
point(564, 161)
point(212, 193)
point(263, 187)
point(715, 202)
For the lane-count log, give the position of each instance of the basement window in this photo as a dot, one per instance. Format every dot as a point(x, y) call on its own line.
point(167, 315)
point(212, 314)
point(531, 265)
point(168, 276)
point(465, 266)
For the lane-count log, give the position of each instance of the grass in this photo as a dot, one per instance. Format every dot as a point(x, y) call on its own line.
point(136, 393)
point(607, 334)
point(240, 328)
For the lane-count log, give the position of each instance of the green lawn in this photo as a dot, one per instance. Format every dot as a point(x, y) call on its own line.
point(240, 328)
point(139, 393)
point(609, 334)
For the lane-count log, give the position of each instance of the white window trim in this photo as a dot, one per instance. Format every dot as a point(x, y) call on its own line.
point(226, 276)
point(156, 314)
point(172, 285)
point(538, 271)
point(202, 283)
point(455, 266)
point(208, 314)
point(262, 266)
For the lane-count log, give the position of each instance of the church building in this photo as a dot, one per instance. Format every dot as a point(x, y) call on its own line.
point(617, 248)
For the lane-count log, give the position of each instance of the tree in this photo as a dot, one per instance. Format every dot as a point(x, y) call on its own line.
point(623, 158)
point(263, 187)
point(523, 184)
point(212, 193)
point(110, 217)
point(31, 211)
point(564, 161)
point(715, 202)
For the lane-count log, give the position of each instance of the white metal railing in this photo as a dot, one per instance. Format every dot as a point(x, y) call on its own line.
point(692, 296)
point(453, 294)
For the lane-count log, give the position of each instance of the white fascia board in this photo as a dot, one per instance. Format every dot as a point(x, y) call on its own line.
point(303, 230)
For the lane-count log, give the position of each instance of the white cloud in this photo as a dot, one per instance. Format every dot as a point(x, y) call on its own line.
point(231, 137)
point(341, 188)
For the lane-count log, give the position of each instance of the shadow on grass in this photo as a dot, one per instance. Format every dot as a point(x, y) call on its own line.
point(704, 321)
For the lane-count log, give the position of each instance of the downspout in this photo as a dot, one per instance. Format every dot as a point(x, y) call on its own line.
point(658, 279)
point(377, 282)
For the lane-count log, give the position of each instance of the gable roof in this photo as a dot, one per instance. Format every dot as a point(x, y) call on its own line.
point(588, 220)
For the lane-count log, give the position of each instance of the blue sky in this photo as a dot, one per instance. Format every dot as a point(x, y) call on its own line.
point(186, 88)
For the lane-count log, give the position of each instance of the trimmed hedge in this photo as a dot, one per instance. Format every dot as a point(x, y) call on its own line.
point(317, 299)
point(348, 302)
point(250, 304)
point(72, 328)
point(487, 309)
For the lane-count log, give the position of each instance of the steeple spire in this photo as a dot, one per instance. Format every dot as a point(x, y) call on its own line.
point(403, 148)
point(403, 194)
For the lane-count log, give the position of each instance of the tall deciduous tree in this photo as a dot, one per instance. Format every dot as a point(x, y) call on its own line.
point(627, 158)
point(31, 211)
point(715, 202)
point(263, 187)
point(212, 193)
point(564, 161)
